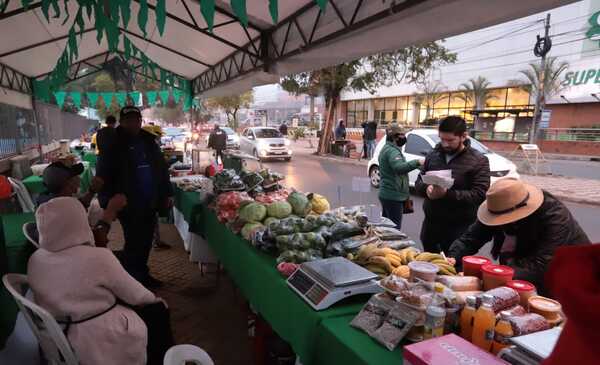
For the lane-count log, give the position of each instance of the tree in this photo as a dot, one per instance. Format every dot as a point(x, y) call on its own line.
point(231, 105)
point(431, 93)
point(410, 64)
point(104, 83)
point(477, 92)
point(552, 78)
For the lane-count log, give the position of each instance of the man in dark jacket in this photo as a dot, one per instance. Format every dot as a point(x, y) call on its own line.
point(283, 129)
point(136, 168)
point(449, 212)
point(218, 141)
point(526, 224)
point(105, 136)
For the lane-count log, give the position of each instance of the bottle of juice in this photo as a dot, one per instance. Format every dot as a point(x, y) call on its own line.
point(502, 333)
point(484, 323)
point(466, 318)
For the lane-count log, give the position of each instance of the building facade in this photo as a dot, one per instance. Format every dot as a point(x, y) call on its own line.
point(500, 54)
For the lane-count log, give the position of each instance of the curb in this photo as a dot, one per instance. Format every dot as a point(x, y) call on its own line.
point(550, 156)
point(562, 196)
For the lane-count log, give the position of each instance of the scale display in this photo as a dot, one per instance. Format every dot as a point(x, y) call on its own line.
point(322, 283)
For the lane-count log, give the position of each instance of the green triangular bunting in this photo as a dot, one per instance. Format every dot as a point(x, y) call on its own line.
point(161, 14)
point(92, 99)
point(273, 10)
point(76, 97)
point(143, 16)
point(135, 97)
point(177, 95)
point(107, 98)
point(60, 98)
point(322, 4)
point(121, 98)
point(151, 95)
point(187, 102)
point(164, 96)
point(207, 8)
point(239, 9)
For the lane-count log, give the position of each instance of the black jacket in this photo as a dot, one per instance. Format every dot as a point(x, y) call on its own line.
point(105, 138)
point(283, 129)
point(369, 130)
point(118, 170)
point(471, 173)
point(539, 235)
point(217, 140)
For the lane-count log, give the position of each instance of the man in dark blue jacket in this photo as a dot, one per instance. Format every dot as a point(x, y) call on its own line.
point(136, 168)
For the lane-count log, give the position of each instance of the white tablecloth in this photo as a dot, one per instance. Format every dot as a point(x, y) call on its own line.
point(197, 246)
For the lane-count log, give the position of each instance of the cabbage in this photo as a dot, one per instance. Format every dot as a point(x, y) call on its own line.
point(270, 220)
point(253, 212)
point(249, 229)
point(279, 209)
point(300, 204)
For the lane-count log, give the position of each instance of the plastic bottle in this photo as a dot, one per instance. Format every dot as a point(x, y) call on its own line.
point(434, 322)
point(466, 318)
point(502, 333)
point(484, 323)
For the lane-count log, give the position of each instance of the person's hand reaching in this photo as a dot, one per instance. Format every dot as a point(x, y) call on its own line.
point(435, 192)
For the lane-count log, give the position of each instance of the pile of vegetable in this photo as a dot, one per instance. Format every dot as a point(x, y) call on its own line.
point(228, 204)
point(228, 180)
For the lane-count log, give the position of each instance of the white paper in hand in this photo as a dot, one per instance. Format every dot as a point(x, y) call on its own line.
point(441, 178)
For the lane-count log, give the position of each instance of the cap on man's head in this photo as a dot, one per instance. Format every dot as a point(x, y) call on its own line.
point(57, 174)
point(394, 129)
point(129, 110)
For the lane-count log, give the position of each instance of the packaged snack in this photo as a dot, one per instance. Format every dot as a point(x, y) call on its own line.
point(461, 296)
point(395, 326)
point(394, 284)
point(372, 314)
point(504, 298)
point(422, 270)
point(460, 283)
point(528, 323)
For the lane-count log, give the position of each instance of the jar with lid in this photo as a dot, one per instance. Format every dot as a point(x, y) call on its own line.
point(434, 322)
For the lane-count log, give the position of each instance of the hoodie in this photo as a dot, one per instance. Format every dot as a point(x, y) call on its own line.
point(72, 279)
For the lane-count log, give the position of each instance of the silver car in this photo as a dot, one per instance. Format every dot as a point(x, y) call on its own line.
point(265, 143)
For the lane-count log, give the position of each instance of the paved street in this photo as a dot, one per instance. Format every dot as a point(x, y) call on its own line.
point(579, 169)
point(309, 174)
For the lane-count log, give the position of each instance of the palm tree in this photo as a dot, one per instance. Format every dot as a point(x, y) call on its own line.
point(552, 85)
point(477, 92)
point(431, 93)
point(552, 82)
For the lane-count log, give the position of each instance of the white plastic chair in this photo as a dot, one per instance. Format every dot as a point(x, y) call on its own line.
point(51, 338)
point(183, 354)
point(29, 230)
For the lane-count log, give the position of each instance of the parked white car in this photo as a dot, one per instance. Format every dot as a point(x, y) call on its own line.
point(264, 143)
point(419, 142)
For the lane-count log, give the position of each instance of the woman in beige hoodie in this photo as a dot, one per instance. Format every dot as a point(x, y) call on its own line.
point(73, 279)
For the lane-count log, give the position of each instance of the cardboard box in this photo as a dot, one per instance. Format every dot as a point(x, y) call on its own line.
point(448, 350)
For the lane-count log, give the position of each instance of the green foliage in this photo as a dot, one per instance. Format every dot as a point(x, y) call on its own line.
point(552, 78)
point(230, 105)
point(477, 92)
point(298, 133)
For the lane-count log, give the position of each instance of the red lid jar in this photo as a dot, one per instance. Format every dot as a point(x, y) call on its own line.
point(472, 265)
point(525, 290)
point(496, 275)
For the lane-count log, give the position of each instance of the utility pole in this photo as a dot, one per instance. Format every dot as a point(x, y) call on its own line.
point(541, 49)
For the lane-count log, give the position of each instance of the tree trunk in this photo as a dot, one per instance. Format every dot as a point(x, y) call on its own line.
point(312, 111)
point(326, 131)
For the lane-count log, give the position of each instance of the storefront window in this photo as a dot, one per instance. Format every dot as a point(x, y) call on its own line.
point(497, 99)
point(517, 97)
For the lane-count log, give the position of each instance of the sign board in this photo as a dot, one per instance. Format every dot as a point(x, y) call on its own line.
point(546, 114)
point(530, 147)
point(361, 184)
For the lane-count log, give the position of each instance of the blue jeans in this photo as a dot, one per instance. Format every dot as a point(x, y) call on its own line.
point(370, 148)
point(393, 210)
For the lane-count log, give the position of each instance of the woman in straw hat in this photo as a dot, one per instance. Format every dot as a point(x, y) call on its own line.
point(526, 224)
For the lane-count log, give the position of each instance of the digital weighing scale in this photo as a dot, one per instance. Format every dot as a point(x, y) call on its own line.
point(322, 283)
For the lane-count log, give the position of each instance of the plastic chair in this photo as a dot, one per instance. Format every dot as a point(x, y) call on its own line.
point(31, 233)
point(54, 344)
point(183, 354)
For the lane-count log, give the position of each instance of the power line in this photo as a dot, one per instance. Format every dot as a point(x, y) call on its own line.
point(496, 38)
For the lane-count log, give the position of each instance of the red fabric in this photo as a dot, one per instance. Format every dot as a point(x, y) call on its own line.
point(574, 280)
point(5, 188)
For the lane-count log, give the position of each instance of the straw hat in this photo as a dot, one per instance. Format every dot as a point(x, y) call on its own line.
point(509, 200)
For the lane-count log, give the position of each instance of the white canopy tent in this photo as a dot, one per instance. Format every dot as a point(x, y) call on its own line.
point(233, 58)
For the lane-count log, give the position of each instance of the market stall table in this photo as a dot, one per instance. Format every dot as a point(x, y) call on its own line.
point(35, 184)
point(15, 251)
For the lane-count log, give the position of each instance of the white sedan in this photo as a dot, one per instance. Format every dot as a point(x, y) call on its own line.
point(419, 142)
point(265, 143)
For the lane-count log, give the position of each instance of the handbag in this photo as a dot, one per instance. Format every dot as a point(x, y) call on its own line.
point(408, 206)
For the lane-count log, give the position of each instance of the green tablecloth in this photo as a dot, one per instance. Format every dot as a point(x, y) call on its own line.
point(318, 337)
point(15, 251)
point(35, 184)
point(339, 343)
point(90, 157)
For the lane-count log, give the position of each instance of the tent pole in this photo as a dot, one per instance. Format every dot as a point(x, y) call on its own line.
point(37, 126)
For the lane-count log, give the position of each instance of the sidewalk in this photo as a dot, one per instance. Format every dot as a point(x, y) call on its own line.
point(576, 190)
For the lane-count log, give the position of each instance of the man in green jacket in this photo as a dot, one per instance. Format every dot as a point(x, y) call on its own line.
point(394, 169)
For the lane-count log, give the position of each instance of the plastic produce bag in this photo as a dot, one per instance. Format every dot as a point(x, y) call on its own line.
point(341, 230)
point(528, 323)
point(504, 298)
point(396, 324)
point(372, 314)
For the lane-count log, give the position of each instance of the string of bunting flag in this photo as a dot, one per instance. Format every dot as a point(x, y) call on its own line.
point(121, 97)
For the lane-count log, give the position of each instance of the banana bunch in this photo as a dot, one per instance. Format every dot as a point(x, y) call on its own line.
point(385, 261)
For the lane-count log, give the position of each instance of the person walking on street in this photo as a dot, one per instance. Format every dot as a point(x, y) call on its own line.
point(283, 129)
point(527, 226)
point(369, 137)
point(394, 169)
point(136, 168)
point(340, 131)
point(450, 212)
point(218, 141)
